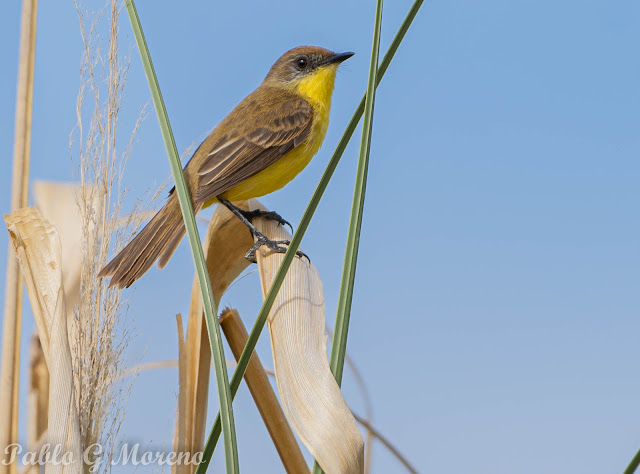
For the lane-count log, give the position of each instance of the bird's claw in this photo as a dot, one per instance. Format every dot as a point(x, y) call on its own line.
point(270, 215)
point(273, 245)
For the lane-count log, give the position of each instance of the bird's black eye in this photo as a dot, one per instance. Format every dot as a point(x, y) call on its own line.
point(301, 63)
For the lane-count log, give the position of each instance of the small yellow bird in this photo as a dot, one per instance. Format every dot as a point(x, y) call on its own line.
point(257, 149)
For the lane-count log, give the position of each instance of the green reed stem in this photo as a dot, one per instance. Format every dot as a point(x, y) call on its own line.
point(345, 298)
point(299, 234)
point(339, 346)
point(633, 465)
point(210, 310)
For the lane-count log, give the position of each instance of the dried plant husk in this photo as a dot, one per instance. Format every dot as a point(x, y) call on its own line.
point(310, 396)
point(58, 203)
point(37, 245)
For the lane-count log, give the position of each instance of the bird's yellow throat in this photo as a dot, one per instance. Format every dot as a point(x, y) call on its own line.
point(316, 89)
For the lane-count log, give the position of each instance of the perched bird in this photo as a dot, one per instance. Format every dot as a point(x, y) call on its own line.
point(258, 148)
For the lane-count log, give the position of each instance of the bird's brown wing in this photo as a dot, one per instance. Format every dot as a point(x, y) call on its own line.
point(274, 130)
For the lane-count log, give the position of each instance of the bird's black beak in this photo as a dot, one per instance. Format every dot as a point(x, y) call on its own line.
point(337, 58)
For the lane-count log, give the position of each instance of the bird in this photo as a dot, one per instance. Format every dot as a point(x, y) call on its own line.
point(259, 147)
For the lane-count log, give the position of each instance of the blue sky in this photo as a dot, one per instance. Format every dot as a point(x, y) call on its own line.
point(495, 316)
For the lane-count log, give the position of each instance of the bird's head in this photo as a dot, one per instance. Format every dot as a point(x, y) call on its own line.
point(310, 70)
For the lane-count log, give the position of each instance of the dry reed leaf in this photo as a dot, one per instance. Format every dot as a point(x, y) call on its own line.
point(226, 242)
point(30, 233)
point(310, 396)
point(368, 418)
point(58, 203)
point(38, 248)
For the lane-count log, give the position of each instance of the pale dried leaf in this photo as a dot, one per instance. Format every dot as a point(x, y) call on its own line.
point(310, 396)
point(58, 203)
point(38, 248)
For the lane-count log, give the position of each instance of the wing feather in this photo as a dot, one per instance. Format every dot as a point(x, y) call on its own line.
point(274, 130)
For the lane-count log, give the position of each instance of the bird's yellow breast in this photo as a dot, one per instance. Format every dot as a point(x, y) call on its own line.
point(316, 89)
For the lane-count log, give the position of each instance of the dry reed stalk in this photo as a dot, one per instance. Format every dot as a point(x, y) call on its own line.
point(264, 396)
point(38, 248)
point(100, 332)
point(310, 396)
point(225, 244)
point(11, 330)
point(179, 438)
point(38, 402)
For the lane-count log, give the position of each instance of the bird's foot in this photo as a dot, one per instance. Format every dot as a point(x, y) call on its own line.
point(270, 215)
point(273, 245)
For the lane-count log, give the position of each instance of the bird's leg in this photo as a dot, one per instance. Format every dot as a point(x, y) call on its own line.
point(250, 215)
point(246, 216)
point(270, 215)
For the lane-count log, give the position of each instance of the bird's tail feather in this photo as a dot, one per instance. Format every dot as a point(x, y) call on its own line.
point(159, 238)
point(171, 245)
